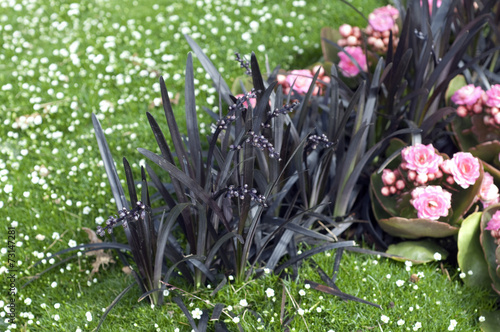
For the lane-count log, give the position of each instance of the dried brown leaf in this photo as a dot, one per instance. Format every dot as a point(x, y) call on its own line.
point(101, 257)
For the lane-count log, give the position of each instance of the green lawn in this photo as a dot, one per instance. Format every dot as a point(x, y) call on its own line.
point(62, 61)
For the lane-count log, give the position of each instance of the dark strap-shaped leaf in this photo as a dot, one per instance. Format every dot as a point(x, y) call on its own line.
point(219, 83)
point(112, 305)
point(197, 190)
point(186, 312)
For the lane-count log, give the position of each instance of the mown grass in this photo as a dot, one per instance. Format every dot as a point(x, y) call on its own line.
point(61, 61)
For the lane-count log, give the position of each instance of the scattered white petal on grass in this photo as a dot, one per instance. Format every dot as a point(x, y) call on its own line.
point(417, 326)
point(99, 220)
point(388, 276)
point(196, 313)
point(300, 312)
point(243, 303)
point(236, 320)
point(72, 243)
point(53, 284)
point(57, 305)
point(89, 316)
point(40, 237)
point(400, 283)
point(270, 292)
point(307, 286)
point(86, 210)
point(408, 265)
point(27, 301)
point(453, 324)
point(401, 322)
point(267, 271)
point(56, 317)
point(482, 319)
point(384, 319)
point(437, 256)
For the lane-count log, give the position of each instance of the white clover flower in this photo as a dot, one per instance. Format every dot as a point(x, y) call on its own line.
point(53, 284)
point(453, 324)
point(72, 243)
point(307, 286)
point(57, 305)
point(270, 292)
point(86, 210)
point(57, 317)
point(27, 301)
point(196, 313)
point(384, 319)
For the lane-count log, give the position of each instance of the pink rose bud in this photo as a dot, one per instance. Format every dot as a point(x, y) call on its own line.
point(467, 95)
point(400, 184)
point(450, 180)
point(345, 30)
point(385, 191)
point(497, 118)
point(422, 158)
point(439, 174)
point(342, 42)
point(379, 44)
point(445, 166)
point(494, 110)
point(392, 190)
point(461, 111)
point(431, 176)
point(431, 202)
point(388, 177)
point(320, 68)
point(281, 79)
point(356, 31)
point(465, 169)
point(412, 175)
point(352, 41)
point(421, 178)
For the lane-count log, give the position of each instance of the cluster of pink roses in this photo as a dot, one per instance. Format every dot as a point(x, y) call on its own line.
point(472, 100)
point(381, 22)
point(301, 80)
point(424, 174)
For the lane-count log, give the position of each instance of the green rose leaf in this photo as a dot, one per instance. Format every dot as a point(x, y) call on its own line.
point(416, 228)
point(417, 251)
point(470, 253)
point(490, 247)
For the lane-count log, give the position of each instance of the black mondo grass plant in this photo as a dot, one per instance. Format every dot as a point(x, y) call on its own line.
point(269, 177)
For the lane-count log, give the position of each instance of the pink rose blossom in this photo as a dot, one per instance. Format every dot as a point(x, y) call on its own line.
point(467, 95)
point(465, 169)
point(493, 96)
point(488, 194)
point(422, 158)
point(381, 22)
point(302, 78)
point(431, 202)
point(494, 223)
point(348, 68)
point(383, 18)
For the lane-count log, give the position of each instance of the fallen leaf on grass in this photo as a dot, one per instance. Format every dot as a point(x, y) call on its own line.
point(101, 257)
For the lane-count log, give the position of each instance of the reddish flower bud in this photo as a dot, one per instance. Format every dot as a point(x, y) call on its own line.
point(422, 178)
point(400, 184)
point(450, 180)
point(388, 177)
point(461, 111)
point(392, 189)
point(412, 175)
point(385, 191)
